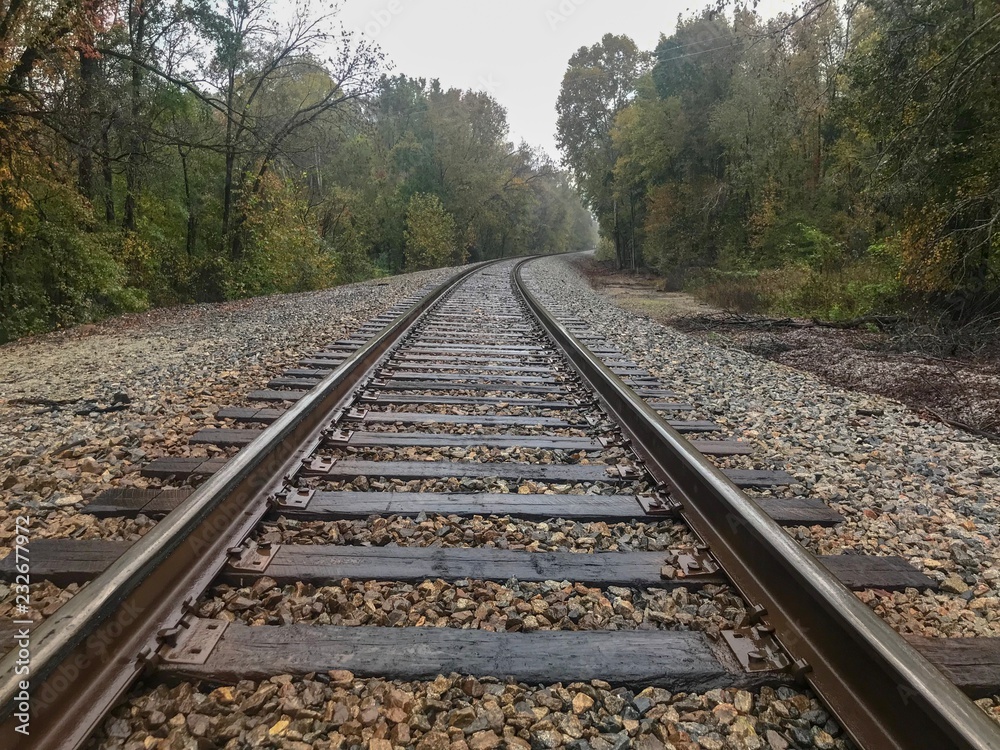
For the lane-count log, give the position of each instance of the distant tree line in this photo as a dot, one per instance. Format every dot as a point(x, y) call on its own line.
point(838, 159)
point(163, 151)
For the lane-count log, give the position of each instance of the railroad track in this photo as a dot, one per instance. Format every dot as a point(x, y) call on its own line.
point(480, 400)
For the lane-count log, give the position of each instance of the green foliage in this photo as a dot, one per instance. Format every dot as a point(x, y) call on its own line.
point(351, 262)
point(936, 126)
point(52, 274)
point(793, 241)
point(853, 291)
point(65, 277)
point(284, 163)
point(850, 288)
point(598, 85)
point(833, 162)
point(605, 250)
point(282, 253)
point(821, 251)
point(430, 234)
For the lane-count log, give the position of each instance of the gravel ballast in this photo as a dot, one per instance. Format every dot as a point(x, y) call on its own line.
point(175, 367)
point(791, 419)
point(906, 486)
point(337, 710)
point(498, 532)
point(513, 606)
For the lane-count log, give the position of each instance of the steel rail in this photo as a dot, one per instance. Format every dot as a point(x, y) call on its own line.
point(86, 655)
point(882, 691)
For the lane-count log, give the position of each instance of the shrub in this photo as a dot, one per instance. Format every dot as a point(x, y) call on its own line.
point(818, 288)
point(56, 268)
point(430, 234)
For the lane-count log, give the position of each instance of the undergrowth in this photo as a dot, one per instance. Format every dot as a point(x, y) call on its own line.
point(854, 289)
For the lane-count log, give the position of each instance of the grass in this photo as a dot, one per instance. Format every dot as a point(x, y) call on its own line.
point(855, 289)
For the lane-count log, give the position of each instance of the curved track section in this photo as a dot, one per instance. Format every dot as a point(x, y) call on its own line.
point(885, 692)
point(478, 401)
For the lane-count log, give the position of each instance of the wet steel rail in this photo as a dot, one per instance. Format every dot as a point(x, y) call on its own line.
point(479, 362)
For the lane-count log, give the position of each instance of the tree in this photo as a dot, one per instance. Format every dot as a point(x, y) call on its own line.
point(254, 57)
point(647, 141)
point(157, 152)
point(430, 234)
point(598, 84)
point(937, 154)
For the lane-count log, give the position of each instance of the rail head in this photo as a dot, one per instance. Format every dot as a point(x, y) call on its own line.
point(88, 653)
point(884, 693)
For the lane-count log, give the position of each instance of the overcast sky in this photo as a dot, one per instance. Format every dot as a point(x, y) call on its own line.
point(517, 50)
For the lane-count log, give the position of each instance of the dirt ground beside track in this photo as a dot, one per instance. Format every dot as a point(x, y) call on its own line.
point(961, 391)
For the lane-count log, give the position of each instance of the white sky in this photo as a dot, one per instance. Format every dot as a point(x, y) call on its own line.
point(517, 50)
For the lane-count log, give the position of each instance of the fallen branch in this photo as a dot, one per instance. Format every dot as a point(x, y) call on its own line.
point(882, 322)
point(33, 401)
point(992, 436)
point(737, 320)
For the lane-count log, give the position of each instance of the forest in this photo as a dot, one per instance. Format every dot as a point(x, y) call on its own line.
point(158, 152)
point(840, 160)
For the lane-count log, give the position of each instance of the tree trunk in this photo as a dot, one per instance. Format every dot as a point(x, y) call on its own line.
point(227, 196)
point(239, 211)
point(619, 249)
point(133, 160)
point(818, 159)
point(109, 178)
point(227, 187)
point(89, 74)
point(634, 252)
point(192, 222)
